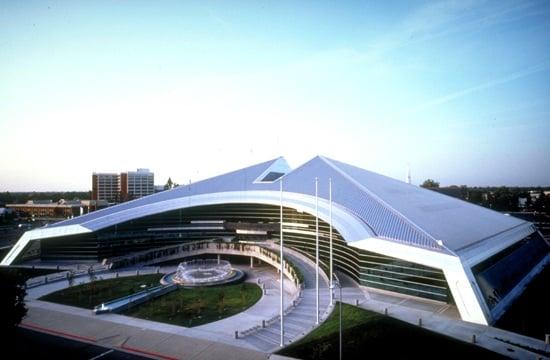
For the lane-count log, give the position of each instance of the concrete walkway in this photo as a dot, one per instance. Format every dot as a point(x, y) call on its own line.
point(132, 336)
point(303, 318)
point(176, 342)
point(80, 323)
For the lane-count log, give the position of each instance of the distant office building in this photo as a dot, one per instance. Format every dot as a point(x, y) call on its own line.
point(136, 184)
point(106, 186)
point(48, 208)
point(93, 205)
point(114, 187)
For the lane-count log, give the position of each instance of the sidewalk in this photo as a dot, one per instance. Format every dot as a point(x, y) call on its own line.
point(222, 331)
point(145, 341)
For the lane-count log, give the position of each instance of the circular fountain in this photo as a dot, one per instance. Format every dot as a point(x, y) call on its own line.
point(203, 272)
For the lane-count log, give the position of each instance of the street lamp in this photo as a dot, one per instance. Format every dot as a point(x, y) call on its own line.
point(337, 283)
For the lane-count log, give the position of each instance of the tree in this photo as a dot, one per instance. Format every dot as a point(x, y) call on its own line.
point(70, 278)
point(540, 202)
point(12, 301)
point(169, 184)
point(430, 183)
point(91, 274)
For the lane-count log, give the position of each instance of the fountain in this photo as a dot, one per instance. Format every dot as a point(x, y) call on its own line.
point(203, 272)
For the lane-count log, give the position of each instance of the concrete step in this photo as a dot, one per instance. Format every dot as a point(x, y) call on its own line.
point(259, 343)
point(291, 334)
point(297, 322)
point(266, 338)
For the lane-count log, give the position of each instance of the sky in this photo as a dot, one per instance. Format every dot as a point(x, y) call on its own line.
point(457, 90)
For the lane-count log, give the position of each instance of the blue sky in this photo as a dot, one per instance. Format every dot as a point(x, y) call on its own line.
point(459, 90)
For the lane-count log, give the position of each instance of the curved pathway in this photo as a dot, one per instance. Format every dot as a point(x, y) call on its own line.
point(298, 322)
point(302, 319)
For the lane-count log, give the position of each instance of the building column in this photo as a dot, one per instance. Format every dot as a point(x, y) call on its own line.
point(251, 262)
point(219, 257)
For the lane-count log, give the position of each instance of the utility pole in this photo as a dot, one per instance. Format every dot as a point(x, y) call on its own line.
point(316, 252)
point(330, 235)
point(282, 266)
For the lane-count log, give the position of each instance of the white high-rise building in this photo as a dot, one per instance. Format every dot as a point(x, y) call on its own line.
point(136, 184)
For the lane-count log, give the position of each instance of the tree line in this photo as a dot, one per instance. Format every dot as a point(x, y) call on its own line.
point(500, 198)
point(8, 197)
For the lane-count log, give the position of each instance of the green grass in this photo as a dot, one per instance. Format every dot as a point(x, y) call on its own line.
point(92, 294)
point(370, 335)
point(194, 307)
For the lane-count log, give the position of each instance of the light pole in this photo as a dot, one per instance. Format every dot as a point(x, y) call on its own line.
point(316, 252)
point(330, 234)
point(282, 268)
point(337, 283)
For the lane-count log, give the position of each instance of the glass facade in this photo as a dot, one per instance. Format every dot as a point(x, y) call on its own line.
point(499, 274)
point(261, 222)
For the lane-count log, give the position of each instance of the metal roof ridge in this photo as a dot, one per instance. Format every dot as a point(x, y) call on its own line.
point(384, 203)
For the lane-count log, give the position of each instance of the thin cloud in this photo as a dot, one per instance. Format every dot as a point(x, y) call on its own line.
point(465, 92)
point(442, 19)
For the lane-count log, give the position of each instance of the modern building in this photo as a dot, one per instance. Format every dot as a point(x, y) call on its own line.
point(130, 185)
point(61, 209)
point(106, 186)
point(136, 184)
point(387, 234)
point(48, 208)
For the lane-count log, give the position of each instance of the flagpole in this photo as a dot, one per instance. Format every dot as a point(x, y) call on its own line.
point(316, 251)
point(282, 266)
point(330, 234)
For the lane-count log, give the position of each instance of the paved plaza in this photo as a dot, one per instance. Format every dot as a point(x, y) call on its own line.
point(217, 339)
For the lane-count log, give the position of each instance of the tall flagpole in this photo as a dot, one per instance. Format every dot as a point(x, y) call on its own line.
point(317, 251)
point(282, 267)
point(330, 234)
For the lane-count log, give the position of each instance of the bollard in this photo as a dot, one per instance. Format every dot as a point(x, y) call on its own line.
point(419, 321)
point(57, 268)
point(294, 303)
point(385, 311)
point(263, 324)
point(547, 339)
point(473, 338)
point(356, 302)
point(236, 334)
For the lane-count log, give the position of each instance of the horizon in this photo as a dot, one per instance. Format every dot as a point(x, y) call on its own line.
point(403, 180)
point(457, 90)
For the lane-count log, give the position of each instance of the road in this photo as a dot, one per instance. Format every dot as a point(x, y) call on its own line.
point(31, 344)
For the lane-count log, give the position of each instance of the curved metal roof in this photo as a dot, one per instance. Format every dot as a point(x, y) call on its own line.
point(392, 209)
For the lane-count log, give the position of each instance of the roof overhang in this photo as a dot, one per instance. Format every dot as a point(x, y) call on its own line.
point(39, 234)
point(346, 223)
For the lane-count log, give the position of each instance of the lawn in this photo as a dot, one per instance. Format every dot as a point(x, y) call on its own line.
point(194, 307)
point(97, 292)
point(370, 335)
